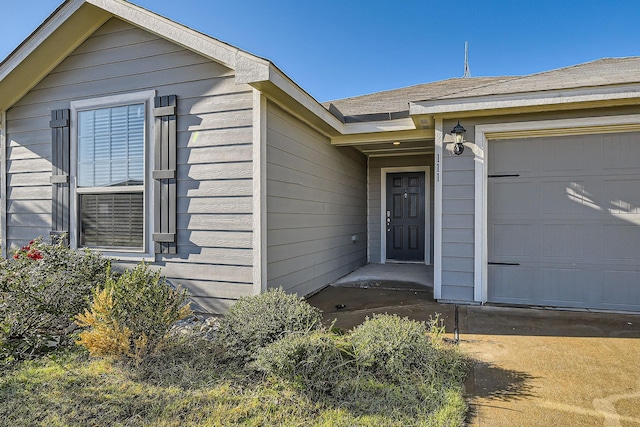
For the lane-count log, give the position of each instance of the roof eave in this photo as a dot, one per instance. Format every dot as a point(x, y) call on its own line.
point(186, 37)
point(277, 86)
point(75, 20)
point(528, 101)
point(46, 47)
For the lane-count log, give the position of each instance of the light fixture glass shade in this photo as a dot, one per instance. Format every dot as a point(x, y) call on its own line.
point(458, 132)
point(458, 136)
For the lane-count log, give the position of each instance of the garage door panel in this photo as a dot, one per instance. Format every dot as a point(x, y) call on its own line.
point(512, 156)
point(620, 242)
point(562, 156)
point(562, 285)
point(511, 284)
point(623, 152)
point(513, 197)
point(622, 196)
point(568, 222)
point(620, 288)
point(562, 241)
point(563, 197)
point(507, 241)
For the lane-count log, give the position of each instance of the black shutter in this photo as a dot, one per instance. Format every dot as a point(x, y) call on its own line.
point(60, 172)
point(164, 175)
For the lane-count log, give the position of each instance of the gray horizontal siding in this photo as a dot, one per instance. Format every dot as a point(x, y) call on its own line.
point(316, 200)
point(214, 153)
point(458, 213)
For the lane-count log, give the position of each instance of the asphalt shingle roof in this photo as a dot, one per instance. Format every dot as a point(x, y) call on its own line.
point(602, 72)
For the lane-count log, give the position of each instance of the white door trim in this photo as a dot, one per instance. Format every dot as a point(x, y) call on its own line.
point(427, 209)
point(532, 129)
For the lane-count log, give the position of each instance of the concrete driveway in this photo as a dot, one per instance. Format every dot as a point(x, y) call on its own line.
point(532, 367)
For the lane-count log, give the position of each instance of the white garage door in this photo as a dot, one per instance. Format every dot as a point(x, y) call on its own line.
point(564, 221)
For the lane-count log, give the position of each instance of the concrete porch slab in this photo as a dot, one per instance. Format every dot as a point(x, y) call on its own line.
point(390, 276)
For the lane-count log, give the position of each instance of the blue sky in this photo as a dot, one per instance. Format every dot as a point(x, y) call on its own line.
point(341, 48)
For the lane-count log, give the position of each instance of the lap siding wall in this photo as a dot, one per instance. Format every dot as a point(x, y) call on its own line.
point(215, 136)
point(316, 202)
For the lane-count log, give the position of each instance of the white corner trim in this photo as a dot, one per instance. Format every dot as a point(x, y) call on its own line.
point(3, 182)
point(531, 129)
point(526, 99)
point(369, 224)
point(427, 209)
point(437, 210)
point(480, 278)
point(259, 192)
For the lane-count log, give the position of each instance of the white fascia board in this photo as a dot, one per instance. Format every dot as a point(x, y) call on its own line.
point(256, 71)
point(300, 95)
point(47, 28)
point(251, 69)
point(280, 80)
point(165, 28)
point(383, 137)
point(379, 126)
point(529, 99)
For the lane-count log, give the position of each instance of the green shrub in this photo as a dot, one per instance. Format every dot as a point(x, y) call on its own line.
point(130, 317)
point(42, 287)
point(392, 346)
point(390, 366)
point(313, 361)
point(255, 321)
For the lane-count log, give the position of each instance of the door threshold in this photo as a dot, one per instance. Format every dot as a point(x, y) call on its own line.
point(397, 261)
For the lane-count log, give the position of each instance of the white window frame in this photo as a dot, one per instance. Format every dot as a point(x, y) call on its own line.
point(146, 98)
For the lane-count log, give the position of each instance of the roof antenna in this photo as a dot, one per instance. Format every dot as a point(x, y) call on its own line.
point(467, 73)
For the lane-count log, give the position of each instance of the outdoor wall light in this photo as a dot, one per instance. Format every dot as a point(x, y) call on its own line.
point(458, 135)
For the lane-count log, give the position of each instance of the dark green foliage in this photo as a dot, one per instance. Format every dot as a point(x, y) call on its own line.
point(255, 321)
point(42, 287)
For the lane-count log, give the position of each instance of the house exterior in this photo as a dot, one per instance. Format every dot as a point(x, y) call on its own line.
point(144, 139)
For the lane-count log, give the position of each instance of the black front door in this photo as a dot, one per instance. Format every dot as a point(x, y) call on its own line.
point(405, 216)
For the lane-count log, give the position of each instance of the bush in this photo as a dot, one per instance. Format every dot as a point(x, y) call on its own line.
point(388, 365)
point(130, 317)
point(255, 321)
point(313, 361)
point(392, 346)
point(42, 287)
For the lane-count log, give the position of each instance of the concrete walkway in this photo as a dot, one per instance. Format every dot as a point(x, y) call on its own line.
point(390, 276)
point(532, 367)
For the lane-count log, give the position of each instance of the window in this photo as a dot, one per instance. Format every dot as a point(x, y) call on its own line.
point(109, 172)
point(110, 182)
